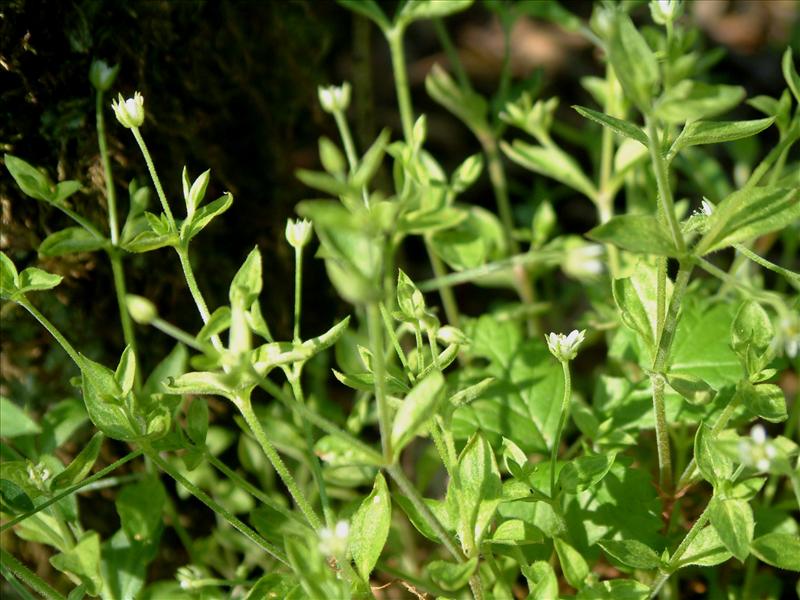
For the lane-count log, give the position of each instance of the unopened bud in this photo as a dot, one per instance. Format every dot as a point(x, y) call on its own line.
point(141, 309)
point(130, 112)
point(334, 98)
point(298, 233)
point(102, 76)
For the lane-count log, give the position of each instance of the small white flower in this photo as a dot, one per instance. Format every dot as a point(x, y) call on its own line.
point(334, 98)
point(584, 261)
point(130, 112)
point(664, 11)
point(333, 542)
point(565, 347)
point(298, 233)
point(706, 207)
point(451, 335)
point(762, 464)
point(758, 434)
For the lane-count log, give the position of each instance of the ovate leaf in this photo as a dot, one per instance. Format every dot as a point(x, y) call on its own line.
point(623, 128)
point(790, 74)
point(13, 420)
point(633, 61)
point(370, 528)
point(80, 465)
point(452, 576)
point(478, 490)
point(733, 522)
point(780, 550)
point(694, 100)
point(419, 405)
point(714, 466)
point(71, 240)
point(30, 180)
point(706, 550)
point(573, 565)
point(550, 162)
point(697, 133)
point(542, 582)
point(414, 10)
point(644, 234)
point(631, 553)
point(82, 562)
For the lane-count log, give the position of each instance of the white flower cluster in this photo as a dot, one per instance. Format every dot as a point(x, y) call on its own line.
point(758, 451)
point(333, 541)
point(565, 347)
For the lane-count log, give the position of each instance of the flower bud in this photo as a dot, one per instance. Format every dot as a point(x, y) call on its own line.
point(565, 347)
point(298, 233)
point(141, 309)
point(334, 98)
point(451, 335)
point(665, 11)
point(102, 76)
point(130, 112)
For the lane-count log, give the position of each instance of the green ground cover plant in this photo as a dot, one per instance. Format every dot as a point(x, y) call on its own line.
point(411, 449)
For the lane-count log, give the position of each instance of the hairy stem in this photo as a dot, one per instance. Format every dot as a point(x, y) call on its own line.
point(562, 421)
point(111, 194)
point(395, 38)
point(154, 176)
point(28, 577)
point(375, 326)
point(680, 551)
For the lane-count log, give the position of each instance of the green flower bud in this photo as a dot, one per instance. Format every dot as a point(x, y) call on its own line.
point(102, 76)
point(451, 335)
point(334, 98)
point(130, 112)
point(298, 233)
point(141, 309)
point(665, 11)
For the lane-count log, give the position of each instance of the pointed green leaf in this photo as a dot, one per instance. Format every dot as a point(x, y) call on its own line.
point(573, 565)
point(733, 521)
point(200, 382)
point(585, 472)
point(103, 398)
point(780, 550)
point(696, 133)
point(13, 498)
point(706, 550)
point(633, 61)
point(631, 553)
point(71, 240)
point(80, 466)
point(615, 589)
point(550, 162)
point(30, 180)
point(452, 576)
point(714, 466)
point(140, 506)
point(13, 420)
point(368, 8)
point(694, 389)
point(204, 216)
point(694, 100)
point(415, 10)
point(790, 74)
point(542, 582)
point(126, 370)
point(37, 280)
point(478, 490)
point(9, 278)
point(246, 284)
point(82, 562)
point(623, 128)
point(370, 528)
point(197, 421)
point(765, 400)
point(469, 107)
point(419, 405)
point(644, 234)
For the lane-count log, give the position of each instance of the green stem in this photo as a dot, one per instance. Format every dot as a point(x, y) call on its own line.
point(452, 54)
point(389, 328)
point(194, 290)
point(245, 407)
point(659, 372)
point(24, 574)
point(375, 327)
point(316, 469)
point(664, 191)
point(252, 490)
point(395, 38)
point(121, 292)
point(71, 490)
point(445, 292)
point(680, 551)
point(62, 341)
point(177, 334)
point(154, 176)
point(497, 177)
point(562, 421)
point(111, 194)
point(790, 275)
point(298, 290)
point(195, 491)
point(20, 589)
point(347, 140)
point(396, 473)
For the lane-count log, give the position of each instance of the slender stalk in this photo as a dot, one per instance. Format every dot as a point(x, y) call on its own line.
point(71, 490)
point(790, 275)
point(111, 193)
point(252, 490)
point(452, 53)
point(395, 38)
point(445, 292)
point(298, 290)
point(497, 176)
point(194, 289)
point(20, 589)
point(679, 552)
point(375, 327)
point(154, 176)
point(31, 579)
point(316, 469)
point(245, 407)
point(121, 293)
point(254, 537)
point(662, 432)
point(177, 334)
point(562, 421)
point(664, 191)
point(347, 140)
point(62, 341)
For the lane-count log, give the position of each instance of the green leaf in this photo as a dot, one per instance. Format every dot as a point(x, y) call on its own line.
point(694, 100)
point(126, 370)
point(82, 562)
point(636, 298)
point(369, 9)
point(714, 466)
point(542, 582)
point(550, 10)
point(623, 128)
point(749, 213)
point(124, 568)
point(643, 234)
point(751, 328)
point(65, 189)
point(452, 576)
point(550, 162)
point(705, 550)
point(516, 532)
point(197, 421)
point(172, 365)
point(615, 589)
point(585, 472)
point(476, 239)
point(478, 490)
point(469, 107)
point(419, 405)
point(9, 278)
point(140, 506)
point(370, 528)
point(13, 420)
point(30, 180)
point(80, 466)
point(37, 280)
point(13, 498)
point(631, 553)
point(200, 382)
point(415, 10)
point(70, 240)
point(733, 521)
point(371, 160)
point(246, 284)
point(633, 61)
point(765, 400)
point(103, 398)
point(696, 133)
point(694, 389)
point(274, 585)
point(780, 550)
point(339, 452)
point(573, 565)
point(204, 216)
point(790, 74)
